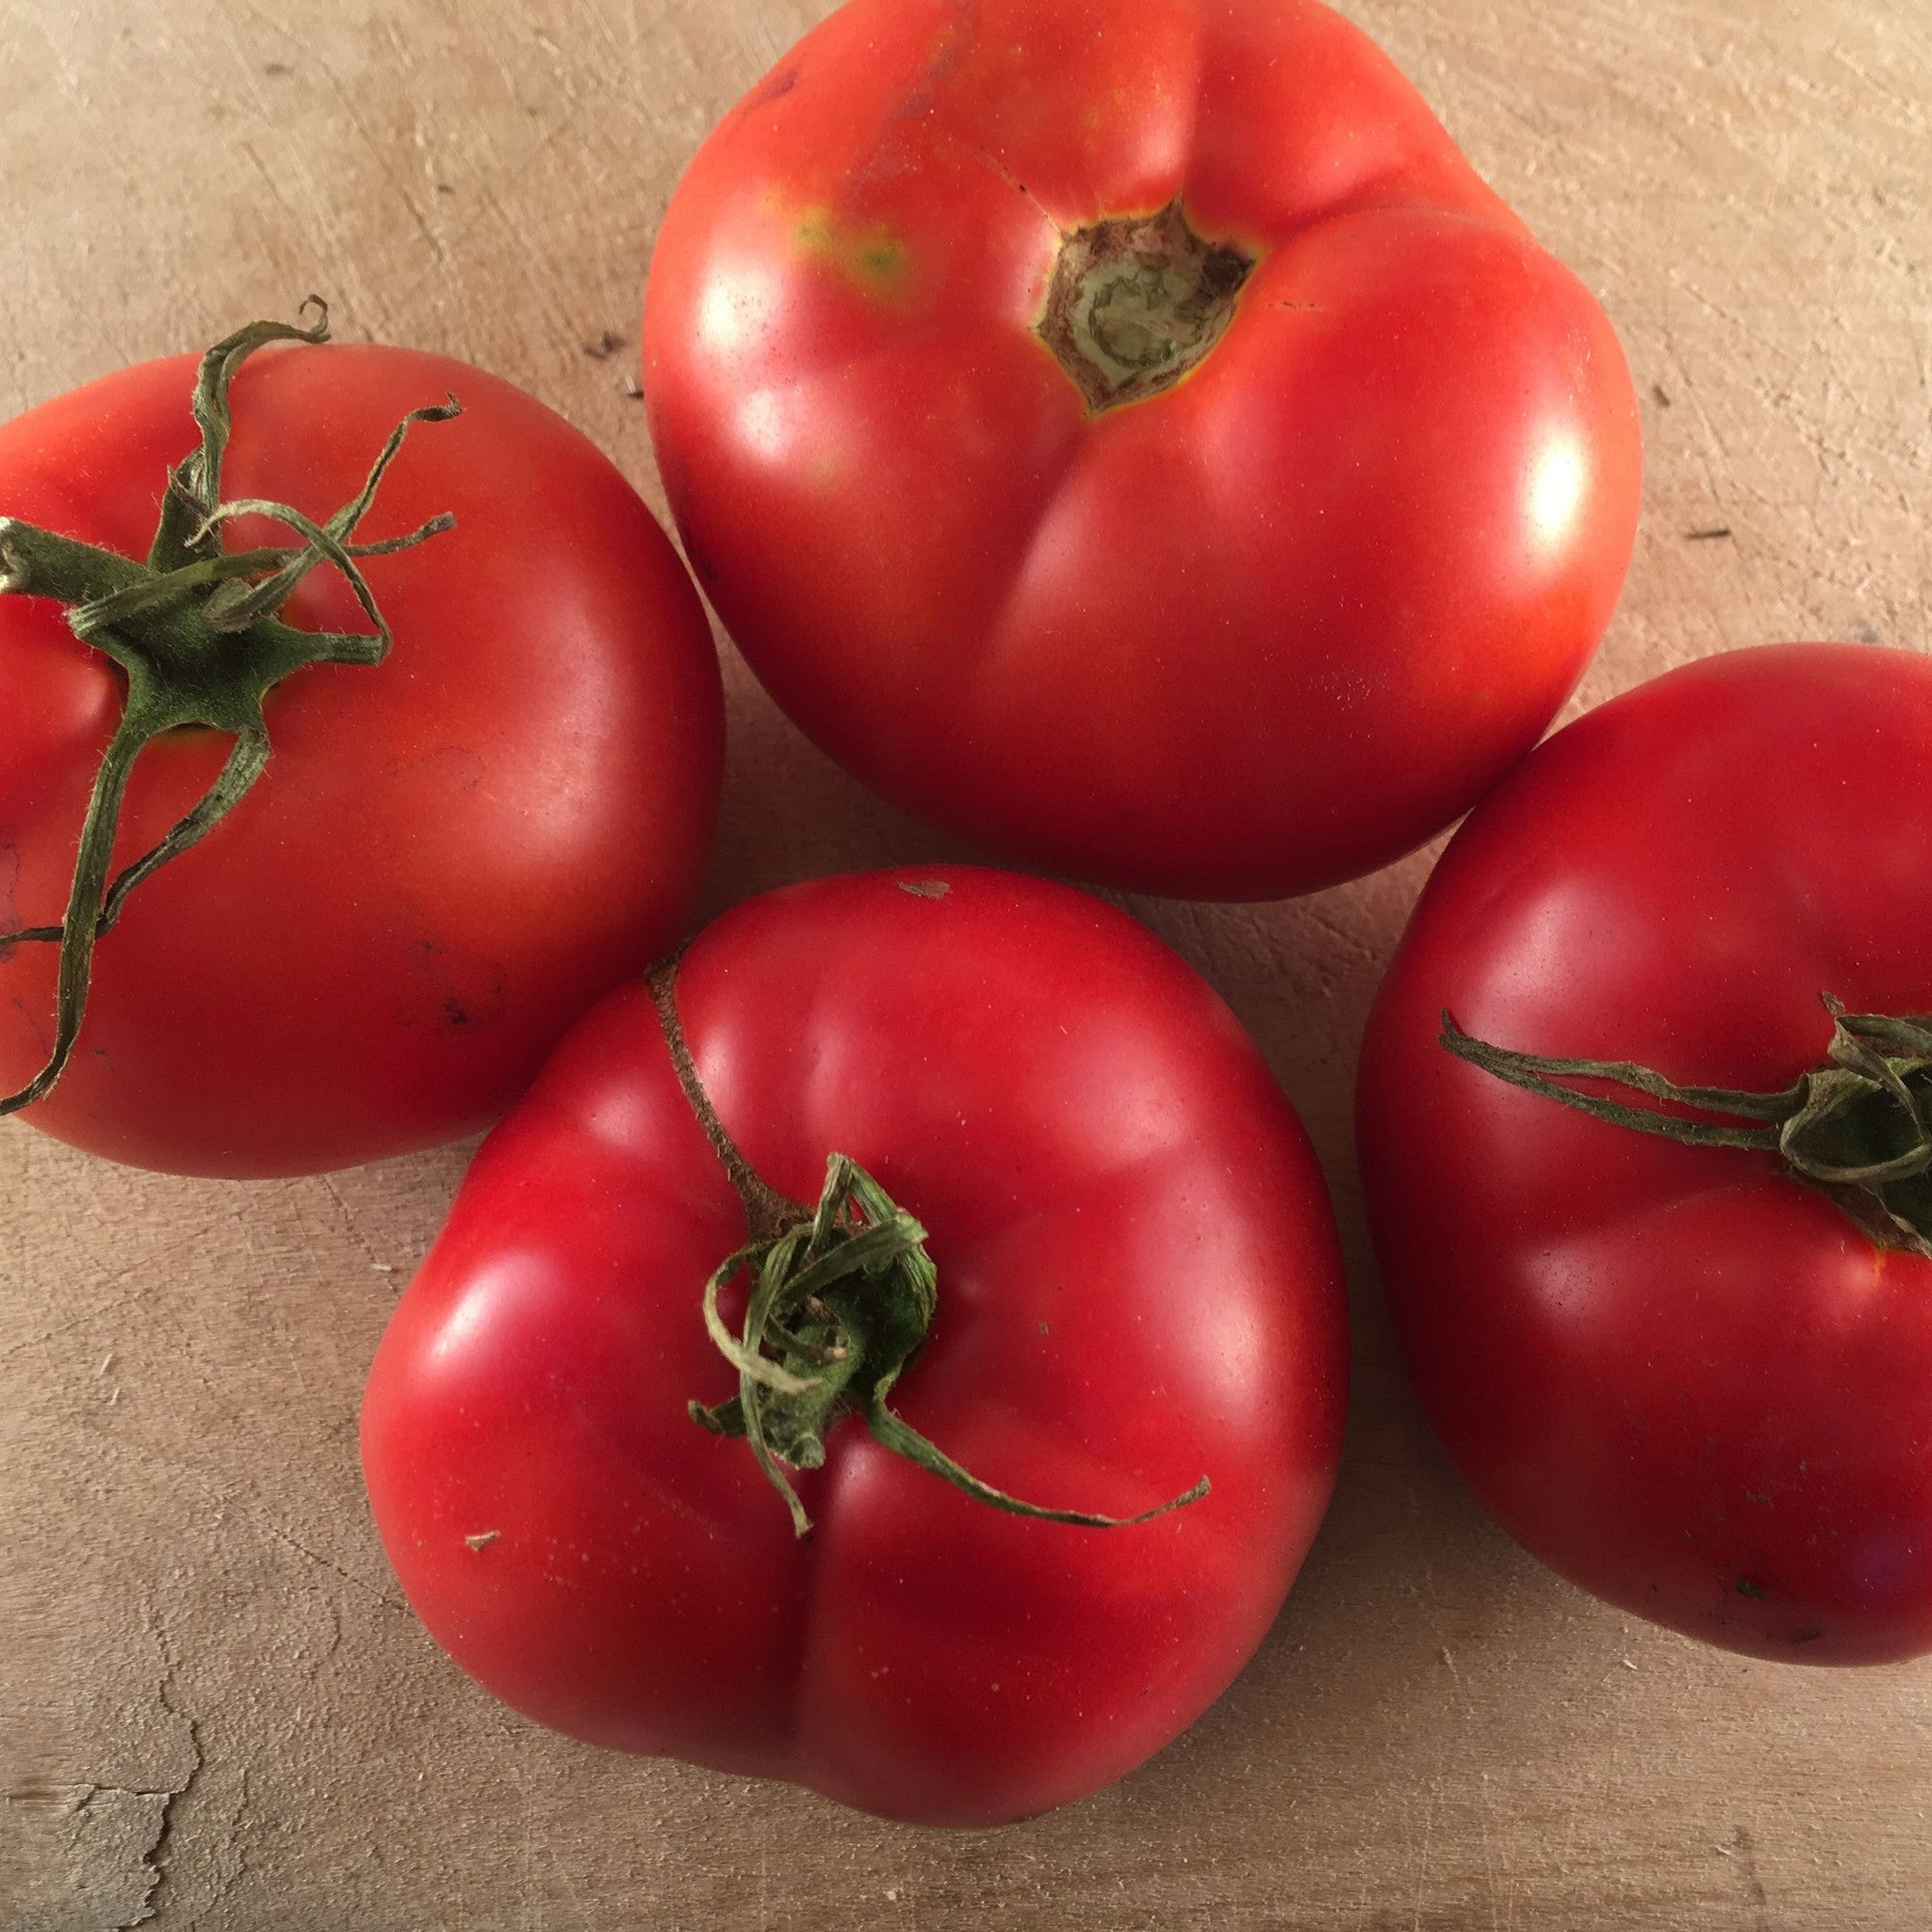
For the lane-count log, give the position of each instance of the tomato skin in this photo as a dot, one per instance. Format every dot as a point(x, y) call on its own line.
point(1256, 634)
point(449, 855)
point(1679, 1377)
point(1139, 1282)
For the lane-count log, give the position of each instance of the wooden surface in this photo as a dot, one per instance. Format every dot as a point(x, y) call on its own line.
point(215, 1712)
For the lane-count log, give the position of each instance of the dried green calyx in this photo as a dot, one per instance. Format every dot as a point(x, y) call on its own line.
point(195, 630)
point(1858, 1126)
point(840, 1299)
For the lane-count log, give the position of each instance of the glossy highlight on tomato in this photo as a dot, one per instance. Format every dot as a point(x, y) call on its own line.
point(448, 855)
point(1689, 1382)
point(1138, 1284)
point(1129, 433)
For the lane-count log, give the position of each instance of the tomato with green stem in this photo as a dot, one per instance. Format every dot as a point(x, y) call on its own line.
point(1061, 1442)
point(496, 740)
point(1646, 1133)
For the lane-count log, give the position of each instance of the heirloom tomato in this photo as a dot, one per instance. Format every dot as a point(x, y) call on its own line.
point(367, 941)
point(1136, 1311)
point(1129, 433)
point(1676, 1332)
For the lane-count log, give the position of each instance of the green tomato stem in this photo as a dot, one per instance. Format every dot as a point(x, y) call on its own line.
point(1858, 1126)
point(194, 628)
point(841, 1299)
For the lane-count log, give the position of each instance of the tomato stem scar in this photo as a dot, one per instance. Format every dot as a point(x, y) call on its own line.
point(1136, 302)
point(194, 629)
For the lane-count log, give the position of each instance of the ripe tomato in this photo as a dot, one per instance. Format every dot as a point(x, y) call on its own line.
point(1129, 433)
point(1138, 1284)
point(446, 858)
point(1679, 1375)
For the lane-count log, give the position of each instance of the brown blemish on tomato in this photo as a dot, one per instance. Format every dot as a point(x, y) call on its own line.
point(701, 562)
point(775, 86)
point(469, 992)
point(950, 47)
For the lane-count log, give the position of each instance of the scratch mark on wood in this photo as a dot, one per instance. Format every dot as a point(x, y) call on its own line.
point(1754, 1882)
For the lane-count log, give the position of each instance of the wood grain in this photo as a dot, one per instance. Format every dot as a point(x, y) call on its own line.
point(215, 1712)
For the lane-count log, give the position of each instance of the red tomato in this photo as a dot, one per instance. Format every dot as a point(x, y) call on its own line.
point(1139, 1282)
point(1288, 551)
point(1682, 1378)
point(449, 856)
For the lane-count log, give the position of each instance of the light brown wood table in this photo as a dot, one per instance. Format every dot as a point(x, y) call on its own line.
point(215, 1711)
